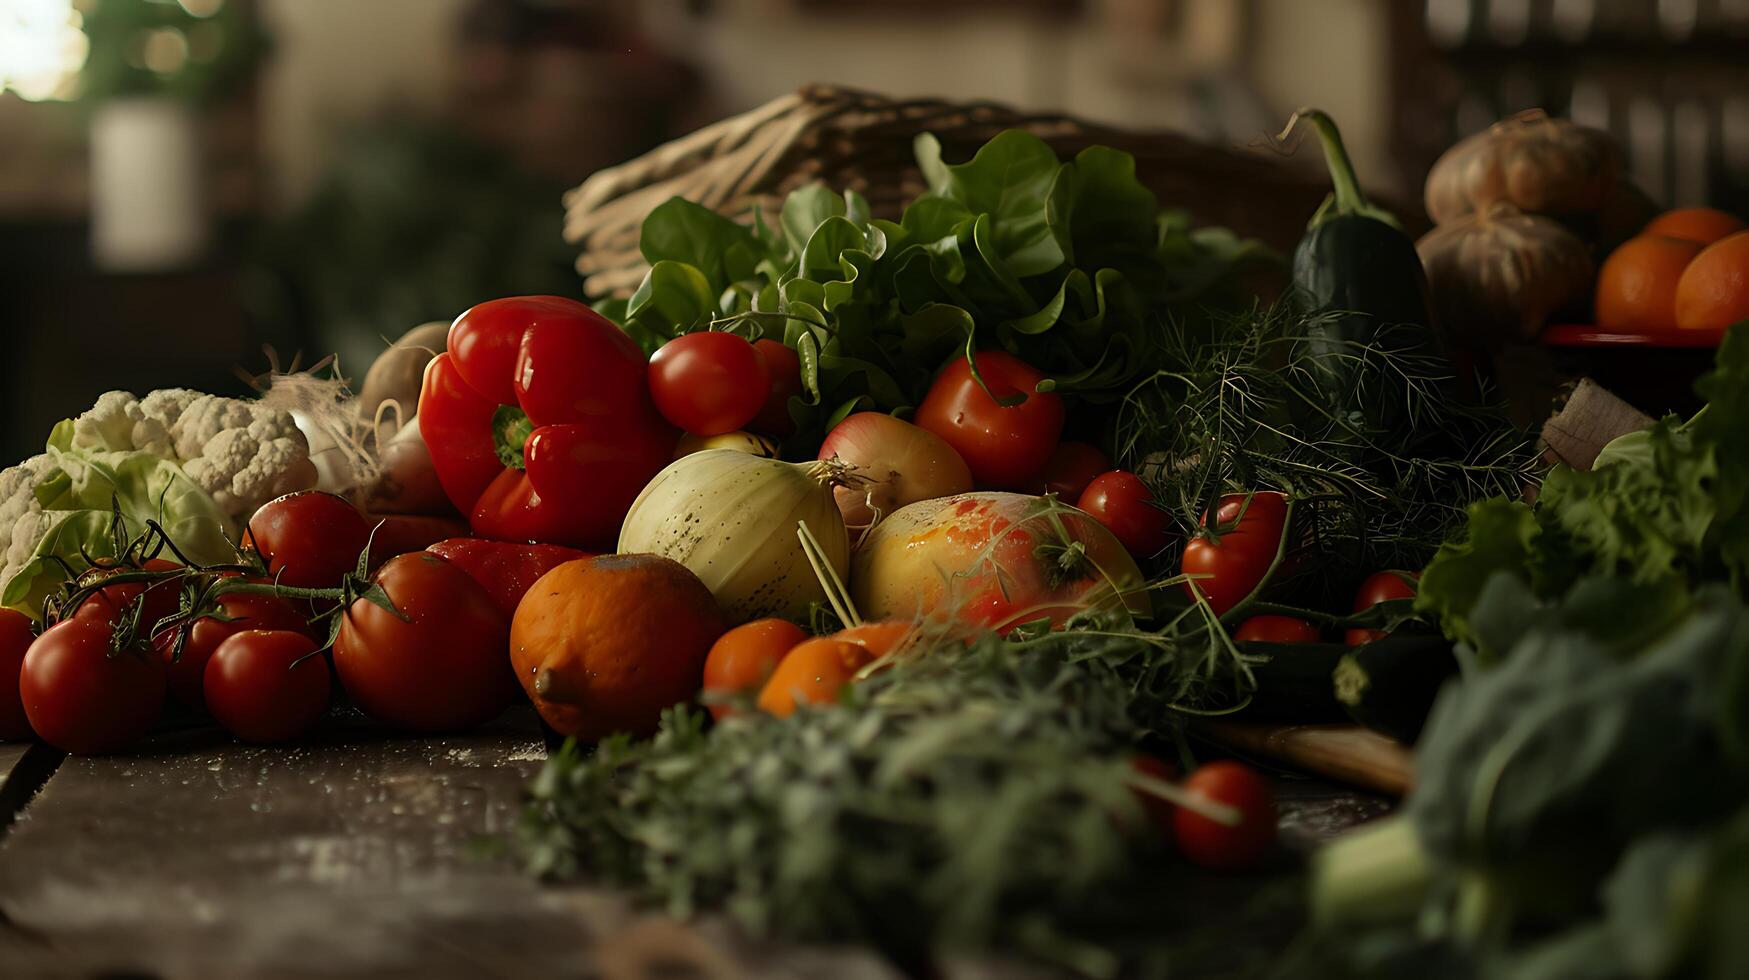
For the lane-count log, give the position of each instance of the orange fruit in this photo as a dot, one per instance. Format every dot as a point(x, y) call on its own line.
point(812, 673)
point(1636, 288)
point(879, 638)
point(743, 658)
point(1703, 225)
point(1714, 290)
point(603, 645)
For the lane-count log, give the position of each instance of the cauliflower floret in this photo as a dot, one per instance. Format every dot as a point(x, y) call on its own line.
point(22, 520)
point(119, 422)
point(243, 453)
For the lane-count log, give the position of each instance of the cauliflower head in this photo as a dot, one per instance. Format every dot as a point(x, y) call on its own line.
point(241, 452)
point(23, 522)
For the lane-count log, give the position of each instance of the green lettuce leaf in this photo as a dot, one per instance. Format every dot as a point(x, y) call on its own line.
point(85, 494)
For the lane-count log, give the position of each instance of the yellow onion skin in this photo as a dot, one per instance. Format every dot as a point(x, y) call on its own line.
point(902, 464)
point(730, 517)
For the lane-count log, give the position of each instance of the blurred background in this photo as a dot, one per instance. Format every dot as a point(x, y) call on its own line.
point(185, 181)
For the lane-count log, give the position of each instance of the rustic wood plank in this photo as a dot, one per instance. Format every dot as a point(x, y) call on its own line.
point(24, 767)
point(346, 855)
point(1348, 753)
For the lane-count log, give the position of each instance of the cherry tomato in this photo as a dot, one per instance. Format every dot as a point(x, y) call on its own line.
point(1071, 468)
point(1237, 563)
point(240, 611)
point(1159, 811)
point(1217, 846)
point(1378, 587)
point(785, 371)
point(709, 383)
point(15, 638)
point(445, 667)
point(1124, 504)
point(1277, 629)
point(309, 539)
point(1005, 447)
point(742, 659)
point(84, 698)
point(111, 602)
point(267, 685)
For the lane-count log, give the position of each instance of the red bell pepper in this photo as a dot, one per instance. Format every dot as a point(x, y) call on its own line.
point(505, 568)
point(540, 422)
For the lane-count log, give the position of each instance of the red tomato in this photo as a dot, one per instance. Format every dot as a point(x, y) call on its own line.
point(1236, 564)
point(1277, 629)
point(1071, 468)
point(709, 383)
point(785, 370)
point(162, 598)
point(15, 638)
point(267, 685)
point(1159, 810)
point(1378, 587)
point(1005, 447)
point(741, 660)
point(1124, 504)
point(309, 539)
point(241, 611)
point(1215, 845)
point(83, 698)
point(445, 667)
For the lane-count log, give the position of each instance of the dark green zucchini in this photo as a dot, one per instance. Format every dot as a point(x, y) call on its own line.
point(1389, 685)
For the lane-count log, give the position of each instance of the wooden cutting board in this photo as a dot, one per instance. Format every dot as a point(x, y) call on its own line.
point(1348, 753)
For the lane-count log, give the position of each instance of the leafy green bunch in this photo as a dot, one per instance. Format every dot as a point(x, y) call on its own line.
point(1071, 266)
point(1661, 512)
point(1581, 796)
point(969, 794)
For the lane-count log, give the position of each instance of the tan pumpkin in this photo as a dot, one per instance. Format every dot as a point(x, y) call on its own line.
point(1501, 274)
point(1531, 161)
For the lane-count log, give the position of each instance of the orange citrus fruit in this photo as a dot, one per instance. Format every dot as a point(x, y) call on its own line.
point(812, 673)
point(1714, 290)
point(603, 645)
point(1636, 288)
point(744, 657)
point(1703, 225)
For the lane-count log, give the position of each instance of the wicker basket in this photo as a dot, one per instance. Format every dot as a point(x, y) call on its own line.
point(855, 140)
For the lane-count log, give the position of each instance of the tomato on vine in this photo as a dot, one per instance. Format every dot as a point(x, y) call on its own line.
point(784, 369)
point(234, 613)
point(309, 539)
point(439, 662)
point(1229, 568)
point(1219, 846)
point(1379, 587)
point(709, 383)
point(267, 685)
point(83, 696)
point(16, 637)
point(1277, 629)
point(1124, 504)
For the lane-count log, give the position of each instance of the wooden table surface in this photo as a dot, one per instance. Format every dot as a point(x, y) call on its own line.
point(355, 854)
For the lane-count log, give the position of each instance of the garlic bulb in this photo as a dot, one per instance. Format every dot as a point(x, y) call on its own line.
point(730, 517)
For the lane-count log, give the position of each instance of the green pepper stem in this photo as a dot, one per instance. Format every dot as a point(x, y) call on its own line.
point(1350, 199)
